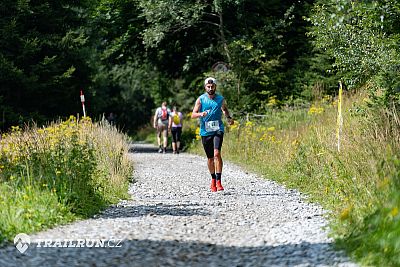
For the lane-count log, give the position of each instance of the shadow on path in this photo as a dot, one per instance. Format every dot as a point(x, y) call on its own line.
point(156, 209)
point(175, 253)
point(143, 148)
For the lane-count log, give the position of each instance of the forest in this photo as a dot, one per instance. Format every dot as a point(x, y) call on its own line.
point(129, 55)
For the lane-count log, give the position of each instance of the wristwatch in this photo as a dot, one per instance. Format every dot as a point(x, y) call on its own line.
point(229, 117)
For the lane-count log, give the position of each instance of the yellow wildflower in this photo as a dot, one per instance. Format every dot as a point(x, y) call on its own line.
point(272, 101)
point(234, 126)
point(15, 129)
point(326, 98)
point(295, 142)
point(345, 213)
point(249, 124)
point(394, 211)
point(198, 137)
point(315, 110)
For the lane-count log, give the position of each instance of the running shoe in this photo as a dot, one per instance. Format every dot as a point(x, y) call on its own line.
point(219, 186)
point(212, 186)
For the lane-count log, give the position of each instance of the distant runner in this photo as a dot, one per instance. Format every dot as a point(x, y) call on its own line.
point(209, 108)
point(161, 120)
point(175, 124)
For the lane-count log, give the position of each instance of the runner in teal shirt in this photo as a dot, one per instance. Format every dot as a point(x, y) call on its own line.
point(212, 122)
point(209, 108)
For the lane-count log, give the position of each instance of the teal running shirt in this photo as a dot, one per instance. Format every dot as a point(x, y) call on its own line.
point(212, 122)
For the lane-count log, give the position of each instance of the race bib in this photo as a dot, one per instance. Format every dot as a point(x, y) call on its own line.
point(212, 126)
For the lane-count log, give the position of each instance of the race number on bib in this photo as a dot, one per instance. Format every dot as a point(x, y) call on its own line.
point(212, 126)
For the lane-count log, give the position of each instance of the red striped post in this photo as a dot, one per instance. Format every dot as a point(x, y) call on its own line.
point(83, 104)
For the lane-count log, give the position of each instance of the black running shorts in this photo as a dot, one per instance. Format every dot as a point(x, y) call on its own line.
point(212, 142)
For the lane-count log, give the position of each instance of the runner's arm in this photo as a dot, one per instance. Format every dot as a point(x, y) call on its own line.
point(195, 113)
point(155, 119)
point(169, 122)
point(225, 110)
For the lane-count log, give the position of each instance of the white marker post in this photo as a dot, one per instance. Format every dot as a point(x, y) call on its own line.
point(83, 104)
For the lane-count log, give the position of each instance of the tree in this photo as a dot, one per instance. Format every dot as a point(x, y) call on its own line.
point(43, 51)
point(363, 39)
point(253, 37)
point(170, 16)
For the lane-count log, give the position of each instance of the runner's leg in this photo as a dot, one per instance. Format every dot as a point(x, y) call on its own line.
point(208, 145)
point(178, 139)
point(165, 137)
point(174, 138)
point(159, 130)
point(217, 140)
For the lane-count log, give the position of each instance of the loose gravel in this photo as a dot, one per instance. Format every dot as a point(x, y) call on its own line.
point(173, 219)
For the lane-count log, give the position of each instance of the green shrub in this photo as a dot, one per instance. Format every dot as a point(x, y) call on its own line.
point(72, 169)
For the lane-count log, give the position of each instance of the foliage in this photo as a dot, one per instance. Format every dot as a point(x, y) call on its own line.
point(363, 39)
point(132, 84)
point(43, 50)
point(128, 56)
point(260, 50)
point(168, 16)
point(69, 169)
point(373, 238)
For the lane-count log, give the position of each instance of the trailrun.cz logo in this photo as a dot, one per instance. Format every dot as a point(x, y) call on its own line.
point(22, 241)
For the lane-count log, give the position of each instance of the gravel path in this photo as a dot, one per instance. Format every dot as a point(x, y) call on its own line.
point(174, 220)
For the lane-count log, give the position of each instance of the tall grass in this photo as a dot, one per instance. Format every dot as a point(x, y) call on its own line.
point(360, 185)
point(65, 171)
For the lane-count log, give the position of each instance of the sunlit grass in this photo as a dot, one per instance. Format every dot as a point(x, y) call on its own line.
point(52, 175)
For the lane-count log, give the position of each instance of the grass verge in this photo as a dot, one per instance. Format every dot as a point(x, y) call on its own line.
point(359, 185)
point(54, 175)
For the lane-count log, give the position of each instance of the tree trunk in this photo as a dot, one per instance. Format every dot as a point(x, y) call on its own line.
point(221, 31)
